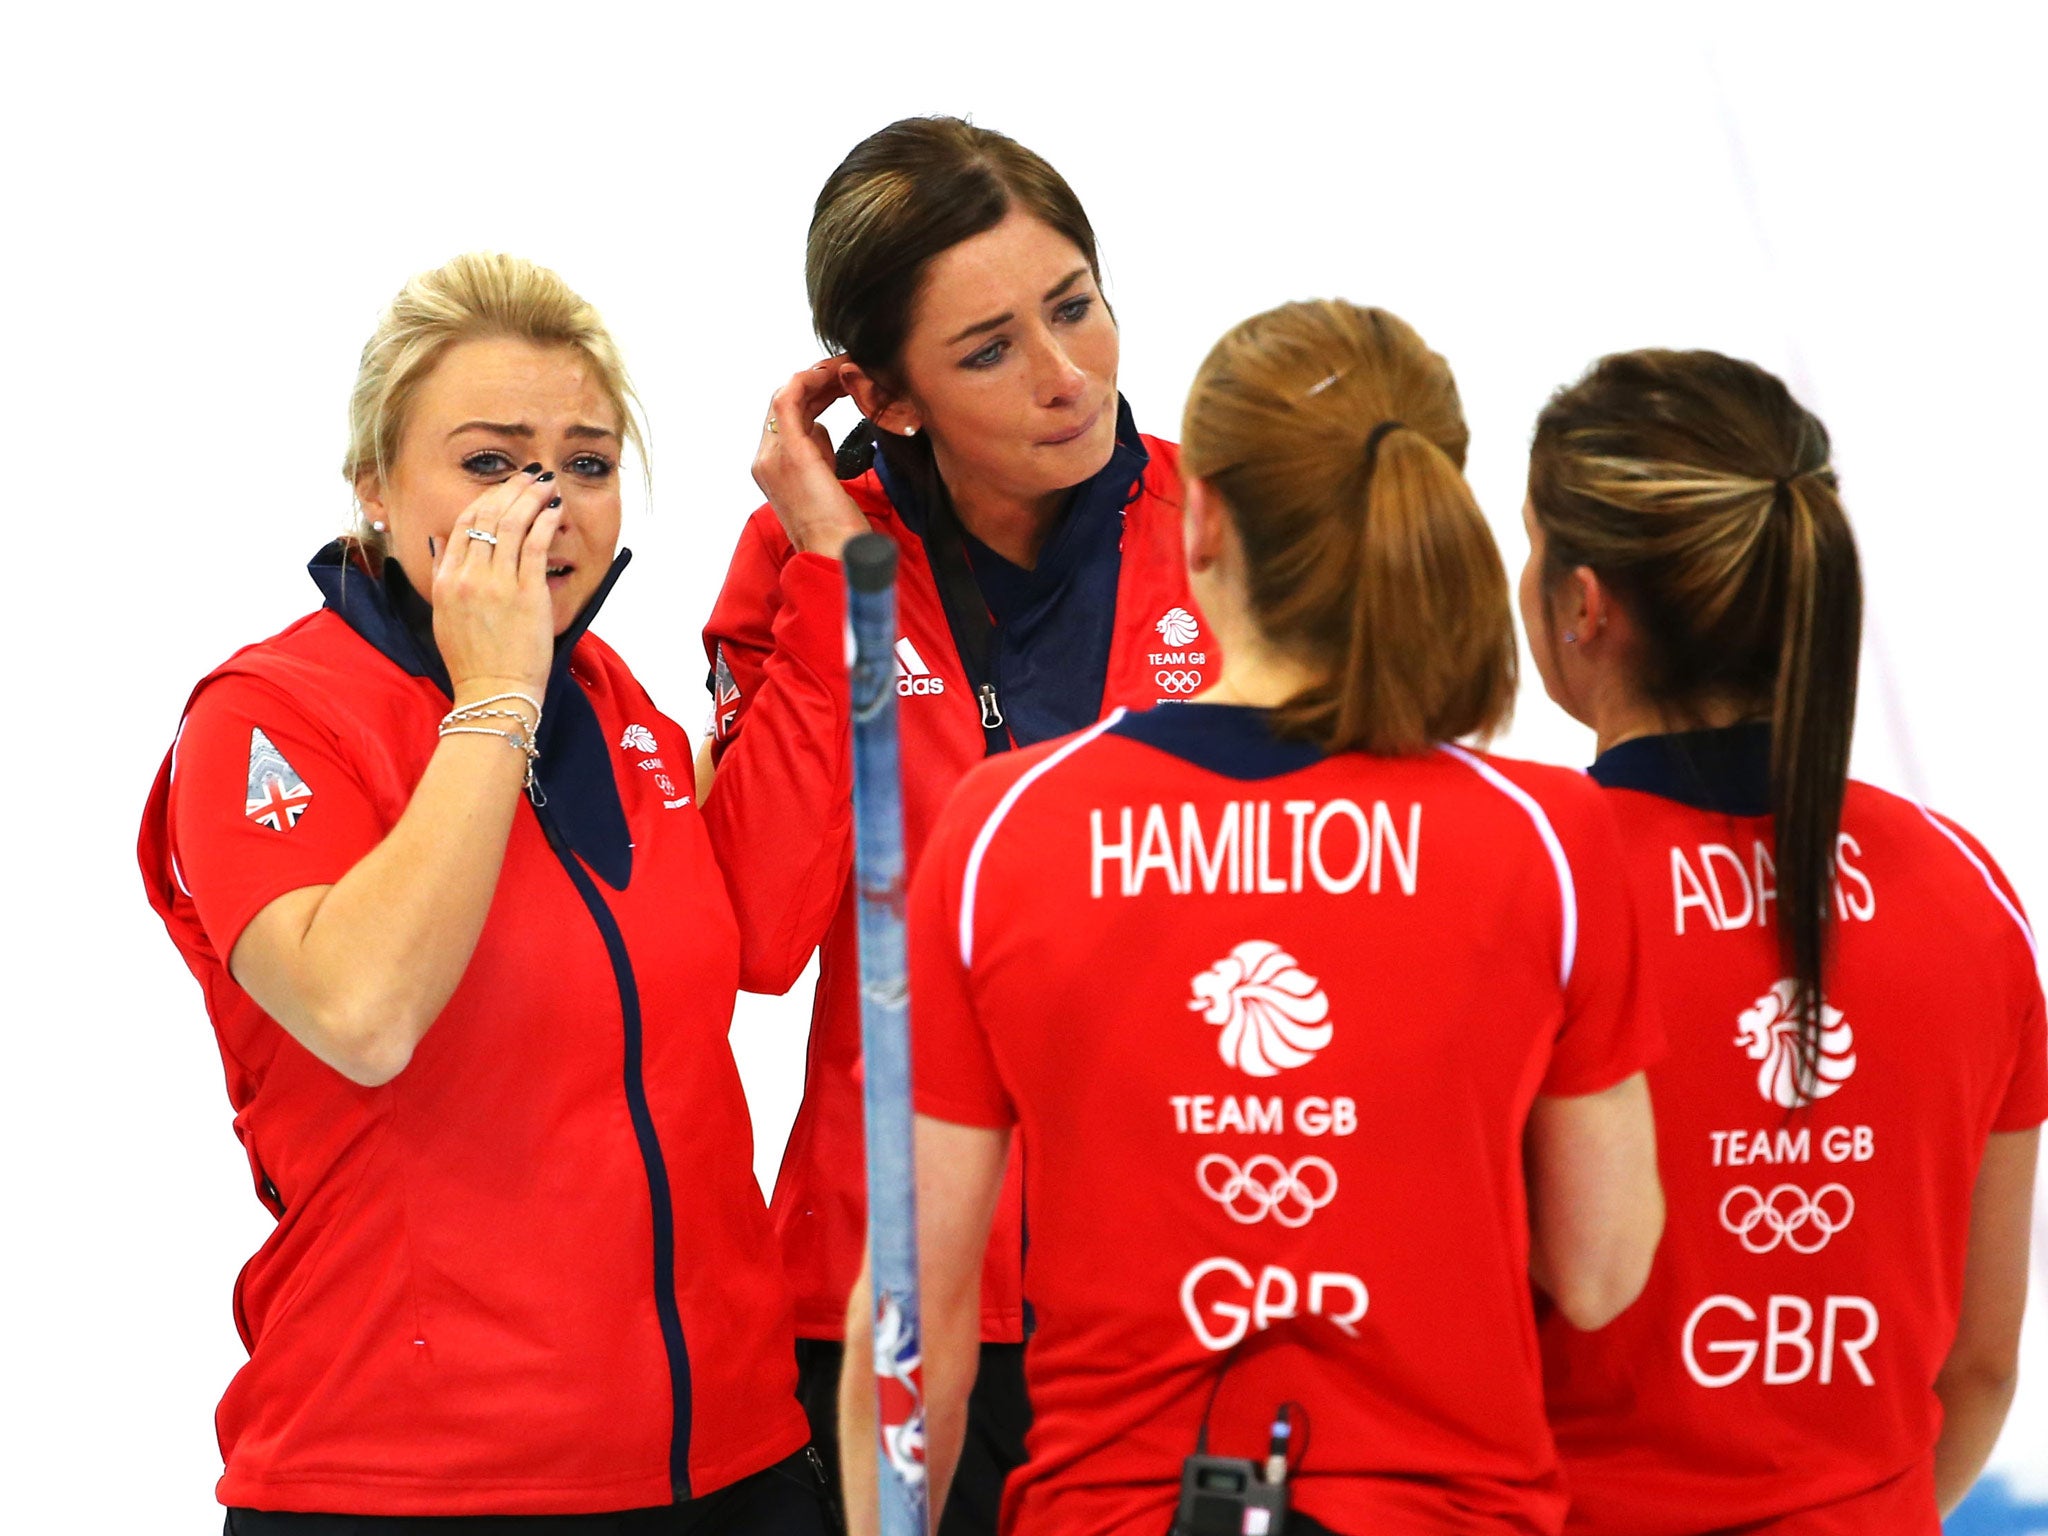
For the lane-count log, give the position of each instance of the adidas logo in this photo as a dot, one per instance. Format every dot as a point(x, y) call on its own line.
point(912, 675)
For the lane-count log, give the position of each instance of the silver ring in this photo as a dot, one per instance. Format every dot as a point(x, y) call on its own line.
point(478, 533)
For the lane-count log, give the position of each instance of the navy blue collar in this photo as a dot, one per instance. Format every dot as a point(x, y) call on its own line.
point(1726, 770)
point(1111, 488)
point(1234, 740)
point(390, 613)
point(574, 771)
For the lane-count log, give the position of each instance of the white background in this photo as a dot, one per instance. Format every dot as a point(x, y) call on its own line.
point(207, 207)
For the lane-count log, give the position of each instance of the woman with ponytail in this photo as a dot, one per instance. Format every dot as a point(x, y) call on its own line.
point(1318, 1034)
point(1848, 1116)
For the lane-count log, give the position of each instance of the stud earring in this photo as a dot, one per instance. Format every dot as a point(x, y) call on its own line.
point(910, 431)
point(1570, 638)
point(378, 526)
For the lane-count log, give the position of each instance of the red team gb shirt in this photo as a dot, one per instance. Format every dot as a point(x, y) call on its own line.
point(780, 815)
point(1268, 1025)
point(1777, 1373)
point(532, 1274)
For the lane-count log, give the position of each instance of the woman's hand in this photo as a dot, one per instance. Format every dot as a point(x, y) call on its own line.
point(493, 617)
point(797, 469)
point(358, 971)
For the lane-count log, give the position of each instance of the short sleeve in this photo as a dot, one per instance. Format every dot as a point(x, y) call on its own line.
point(260, 804)
point(954, 1074)
point(2026, 1095)
point(2024, 1102)
point(1612, 1029)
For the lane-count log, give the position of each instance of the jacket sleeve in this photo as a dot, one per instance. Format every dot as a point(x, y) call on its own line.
point(780, 809)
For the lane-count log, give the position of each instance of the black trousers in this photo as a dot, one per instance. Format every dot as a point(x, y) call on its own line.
point(787, 1499)
point(997, 1415)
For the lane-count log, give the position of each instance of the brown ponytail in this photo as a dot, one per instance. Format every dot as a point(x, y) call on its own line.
point(1699, 491)
point(1336, 439)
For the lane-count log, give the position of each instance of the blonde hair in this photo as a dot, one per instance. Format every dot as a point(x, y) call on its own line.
point(480, 294)
point(1336, 439)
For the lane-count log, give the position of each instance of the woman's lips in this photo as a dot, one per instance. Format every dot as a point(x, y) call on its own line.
point(1078, 432)
point(558, 576)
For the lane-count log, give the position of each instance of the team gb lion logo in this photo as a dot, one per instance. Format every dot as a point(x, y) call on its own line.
point(1273, 1013)
point(1794, 1073)
point(1178, 627)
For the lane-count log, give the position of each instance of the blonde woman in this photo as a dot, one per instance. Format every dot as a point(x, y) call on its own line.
point(431, 853)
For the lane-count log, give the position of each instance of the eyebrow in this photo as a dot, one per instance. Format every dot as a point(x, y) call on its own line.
point(998, 321)
point(521, 429)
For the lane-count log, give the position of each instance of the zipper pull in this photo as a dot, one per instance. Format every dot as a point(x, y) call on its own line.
point(991, 712)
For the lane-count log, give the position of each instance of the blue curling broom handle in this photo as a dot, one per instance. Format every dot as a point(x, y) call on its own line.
point(885, 1036)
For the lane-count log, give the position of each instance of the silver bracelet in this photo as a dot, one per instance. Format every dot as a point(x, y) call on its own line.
point(480, 710)
point(525, 744)
point(474, 713)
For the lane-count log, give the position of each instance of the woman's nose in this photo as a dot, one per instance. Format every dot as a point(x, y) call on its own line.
point(1056, 380)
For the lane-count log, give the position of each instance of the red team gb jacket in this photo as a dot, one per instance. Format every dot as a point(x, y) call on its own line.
point(1268, 1025)
point(531, 1274)
point(1777, 1373)
point(780, 816)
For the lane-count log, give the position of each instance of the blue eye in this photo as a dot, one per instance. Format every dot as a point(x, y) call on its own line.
point(490, 463)
point(590, 465)
point(1075, 309)
point(987, 357)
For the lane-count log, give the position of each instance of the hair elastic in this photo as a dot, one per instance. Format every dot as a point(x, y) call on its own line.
point(1372, 444)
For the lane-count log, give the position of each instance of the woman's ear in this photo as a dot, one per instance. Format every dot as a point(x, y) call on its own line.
point(1201, 524)
point(1588, 605)
point(370, 497)
point(890, 413)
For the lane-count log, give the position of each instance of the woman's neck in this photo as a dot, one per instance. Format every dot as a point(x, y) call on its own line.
point(1014, 527)
point(1255, 673)
point(1626, 718)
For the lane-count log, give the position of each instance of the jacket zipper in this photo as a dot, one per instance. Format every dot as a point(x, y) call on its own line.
point(659, 1197)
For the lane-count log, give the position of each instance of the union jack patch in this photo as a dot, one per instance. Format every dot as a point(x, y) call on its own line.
point(278, 797)
point(725, 695)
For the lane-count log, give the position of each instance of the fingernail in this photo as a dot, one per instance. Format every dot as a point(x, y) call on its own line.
point(531, 469)
point(543, 479)
point(552, 505)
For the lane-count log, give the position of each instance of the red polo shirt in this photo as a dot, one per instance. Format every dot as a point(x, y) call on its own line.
point(1779, 1366)
point(1268, 1025)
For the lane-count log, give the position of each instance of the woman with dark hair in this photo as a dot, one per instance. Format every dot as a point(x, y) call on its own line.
point(954, 276)
point(1319, 1035)
point(1847, 1121)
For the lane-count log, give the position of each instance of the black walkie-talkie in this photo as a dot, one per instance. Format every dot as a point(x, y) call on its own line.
point(1234, 1496)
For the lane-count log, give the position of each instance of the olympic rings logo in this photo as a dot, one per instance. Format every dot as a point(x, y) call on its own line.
point(1265, 1186)
point(1178, 682)
point(1786, 1215)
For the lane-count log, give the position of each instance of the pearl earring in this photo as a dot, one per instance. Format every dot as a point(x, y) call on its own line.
point(378, 526)
point(910, 431)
